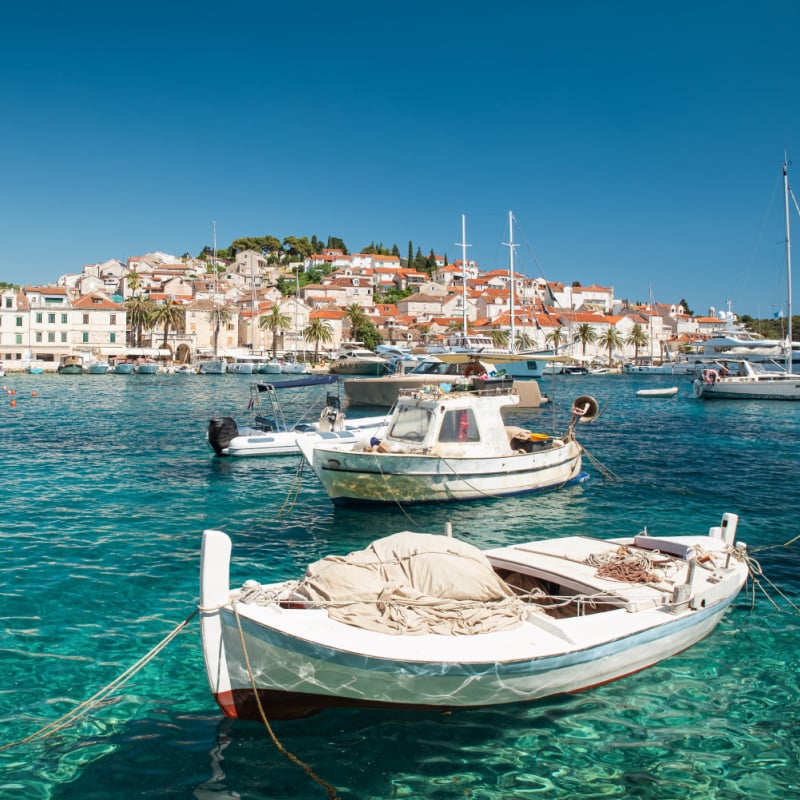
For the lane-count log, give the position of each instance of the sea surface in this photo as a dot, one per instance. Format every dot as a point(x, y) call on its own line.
point(108, 483)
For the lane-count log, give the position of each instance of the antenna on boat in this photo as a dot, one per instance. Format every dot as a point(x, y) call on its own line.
point(790, 345)
point(464, 247)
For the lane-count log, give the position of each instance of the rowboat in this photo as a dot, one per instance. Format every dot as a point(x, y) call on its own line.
point(669, 391)
point(429, 621)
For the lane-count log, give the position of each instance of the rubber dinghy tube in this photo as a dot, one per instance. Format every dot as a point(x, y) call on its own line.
point(221, 430)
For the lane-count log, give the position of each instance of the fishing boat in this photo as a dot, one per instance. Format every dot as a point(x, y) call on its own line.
point(122, 367)
point(270, 435)
point(429, 621)
point(97, 366)
point(667, 391)
point(70, 365)
point(146, 366)
point(445, 444)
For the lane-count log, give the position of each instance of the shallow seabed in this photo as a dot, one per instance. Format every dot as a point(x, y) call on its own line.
point(108, 483)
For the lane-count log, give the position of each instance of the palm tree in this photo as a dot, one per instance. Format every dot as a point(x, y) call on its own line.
point(170, 315)
point(638, 338)
point(134, 281)
point(611, 340)
point(356, 316)
point(499, 337)
point(139, 309)
point(219, 316)
point(319, 332)
point(585, 334)
point(276, 321)
point(556, 337)
point(523, 341)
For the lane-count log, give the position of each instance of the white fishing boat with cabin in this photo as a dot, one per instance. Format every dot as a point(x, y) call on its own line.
point(445, 444)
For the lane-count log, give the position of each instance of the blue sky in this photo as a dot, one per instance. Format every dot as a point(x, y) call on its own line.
point(639, 145)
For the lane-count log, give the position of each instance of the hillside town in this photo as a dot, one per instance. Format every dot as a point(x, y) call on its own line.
point(207, 307)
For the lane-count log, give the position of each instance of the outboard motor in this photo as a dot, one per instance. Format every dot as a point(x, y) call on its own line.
point(331, 418)
point(221, 430)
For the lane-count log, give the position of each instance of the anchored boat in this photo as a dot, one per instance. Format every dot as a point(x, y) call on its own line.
point(428, 621)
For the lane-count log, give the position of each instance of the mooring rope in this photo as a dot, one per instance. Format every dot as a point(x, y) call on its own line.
point(294, 488)
point(87, 705)
point(601, 468)
point(329, 788)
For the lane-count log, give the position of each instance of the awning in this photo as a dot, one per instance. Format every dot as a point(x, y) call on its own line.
point(149, 352)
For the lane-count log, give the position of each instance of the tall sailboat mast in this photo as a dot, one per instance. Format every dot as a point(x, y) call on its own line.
point(790, 344)
point(464, 247)
point(214, 267)
point(510, 244)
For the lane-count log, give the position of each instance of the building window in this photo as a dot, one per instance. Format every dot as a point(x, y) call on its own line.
point(18, 338)
point(51, 337)
point(112, 338)
point(39, 318)
point(85, 319)
point(38, 336)
point(113, 319)
point(19, 322)
point(8, 302)
point(51, 318)
point(63, 337)
point(63, 319)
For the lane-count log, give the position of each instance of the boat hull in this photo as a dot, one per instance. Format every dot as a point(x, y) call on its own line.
point(371, 477)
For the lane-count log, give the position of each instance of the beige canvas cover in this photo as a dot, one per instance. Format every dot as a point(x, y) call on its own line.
point(414, 583)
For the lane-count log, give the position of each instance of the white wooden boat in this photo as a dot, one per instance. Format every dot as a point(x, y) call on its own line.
point(212, 366)
point(746, 380)
point(667, 391)
point(270, 435)
point(443, 444)
point(428, 621)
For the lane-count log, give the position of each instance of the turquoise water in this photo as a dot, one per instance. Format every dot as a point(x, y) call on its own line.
point(108, 483)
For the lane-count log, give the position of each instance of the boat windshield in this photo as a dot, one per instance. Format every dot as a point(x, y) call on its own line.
point(410, 424)
point(430, 368)
point(459, 425)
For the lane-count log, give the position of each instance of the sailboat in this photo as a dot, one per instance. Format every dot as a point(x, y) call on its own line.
point(215, 365)
point(291, 365)
point(739, 379)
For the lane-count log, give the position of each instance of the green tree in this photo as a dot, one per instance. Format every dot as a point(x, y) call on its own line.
point(218, 316)
point(523, 341)
point(170, 314)
point(638, 338)
point(499, 337)
point(556, 338)
point(134, 281)
point(139, 310)
point(276, 321)
point(611, 340)
point(585, 334)
point(319, 332)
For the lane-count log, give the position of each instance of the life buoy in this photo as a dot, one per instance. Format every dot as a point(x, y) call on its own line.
point(474, 368)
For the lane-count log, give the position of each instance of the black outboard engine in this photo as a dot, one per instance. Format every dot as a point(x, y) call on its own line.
point(220, 432)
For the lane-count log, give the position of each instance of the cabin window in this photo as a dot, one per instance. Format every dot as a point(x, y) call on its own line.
point(411, 424)
point(459, 425)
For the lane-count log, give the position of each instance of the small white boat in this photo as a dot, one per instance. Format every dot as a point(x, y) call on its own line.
point(271, 367)
point(270, 435)
point(444, 445)
point(292, 367)
point(428, 621)
point(667, 391)
point(212, 366)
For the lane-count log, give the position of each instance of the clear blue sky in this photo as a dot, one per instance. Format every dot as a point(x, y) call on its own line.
point(639, 145)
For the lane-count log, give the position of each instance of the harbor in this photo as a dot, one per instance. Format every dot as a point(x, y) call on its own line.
point(112, 483)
